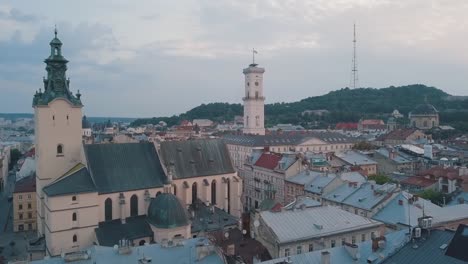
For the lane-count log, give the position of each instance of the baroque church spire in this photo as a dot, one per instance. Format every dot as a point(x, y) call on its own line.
point(56, 85)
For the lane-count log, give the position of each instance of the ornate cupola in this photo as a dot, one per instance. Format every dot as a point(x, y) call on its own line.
point(56, 85)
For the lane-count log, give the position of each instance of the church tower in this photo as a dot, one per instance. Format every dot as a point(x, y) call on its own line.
point(254, 117)
point(57, 117)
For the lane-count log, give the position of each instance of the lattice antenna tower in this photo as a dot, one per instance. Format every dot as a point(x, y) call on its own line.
point(354, 82)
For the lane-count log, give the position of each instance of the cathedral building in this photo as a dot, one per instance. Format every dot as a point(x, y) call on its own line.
point(102, 193)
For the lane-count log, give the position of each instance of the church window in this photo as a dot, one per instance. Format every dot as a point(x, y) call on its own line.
point(59, 149)
point(175, 189)
point(213, 192)
point(108, 209)
point(53, 117)
point(256, 95)
point(67, 117)
point(257, 121)
point(194, 192)
point(75, 239)
point(134, 205)
point(74, 217)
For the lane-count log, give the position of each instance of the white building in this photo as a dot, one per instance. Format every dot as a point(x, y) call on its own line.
point(254, 116)
point(293, 232)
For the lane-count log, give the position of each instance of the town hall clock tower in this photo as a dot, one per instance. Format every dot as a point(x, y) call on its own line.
point(254, 100)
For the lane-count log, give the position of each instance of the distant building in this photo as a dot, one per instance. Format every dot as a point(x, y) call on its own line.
point(402, 136)
point(354, 158)
point(346, 126)
point(293, 232)
point(318, 112)
point(24, 205)
point(202, 123)
point(424, 116)
point(397, 114)
point(371, 124)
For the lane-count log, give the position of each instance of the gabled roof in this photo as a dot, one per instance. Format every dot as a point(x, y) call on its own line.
point(27, 184)
point(195, 158)
point(124, 167)
point(319, 183)
point(354, 158)
point(398, 134)
point(268, 160)
point(74, 182)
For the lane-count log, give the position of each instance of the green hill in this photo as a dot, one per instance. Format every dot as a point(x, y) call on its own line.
point(345, 105)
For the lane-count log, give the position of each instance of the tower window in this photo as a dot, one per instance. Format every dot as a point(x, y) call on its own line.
point(75, 238)
point(67, 117)
point(248, 84)
point(256, 83)
point(53, 117)
point(256, 95)
point(73, 198)
point(74, 217)
point(56, 51)
point(60, 149)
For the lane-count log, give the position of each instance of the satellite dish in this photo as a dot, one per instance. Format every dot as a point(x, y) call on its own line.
point(226, 235)
point(244, 231)
point(256, 223)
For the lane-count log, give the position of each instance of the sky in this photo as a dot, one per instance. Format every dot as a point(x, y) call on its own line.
point(150, 58)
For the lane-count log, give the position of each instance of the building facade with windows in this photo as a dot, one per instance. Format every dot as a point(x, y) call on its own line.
point(293, 232)
point(24, 205)
point(101, 193)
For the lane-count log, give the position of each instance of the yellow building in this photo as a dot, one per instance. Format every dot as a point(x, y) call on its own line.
point(24, 205)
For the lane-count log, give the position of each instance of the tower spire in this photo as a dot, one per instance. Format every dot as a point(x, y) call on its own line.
point(55, 31)
point(354, 68)
point(253, 57)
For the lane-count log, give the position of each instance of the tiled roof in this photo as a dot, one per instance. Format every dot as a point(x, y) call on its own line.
point(109, 233)
point(293, 225)
point(195, 158)
point(418, 181)
point(27, 184)
point(74, 183)
point(398, 134)
point(450, 173)
point(268, 160)
point(124, 167)
point(346, 126)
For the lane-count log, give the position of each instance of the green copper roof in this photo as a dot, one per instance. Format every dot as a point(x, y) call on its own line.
point(194, 158)
point(56, 85)
point(75, 183)
point(166, 211)
point(424, 109)
point(124, 167)
point(109, 233)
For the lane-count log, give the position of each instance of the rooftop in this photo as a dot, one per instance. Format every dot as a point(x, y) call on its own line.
point(78, 177)
point(319, 183)
point(291, 225)
point(26, 185)
point(183, 253)
point(418, 181)
point(109, 233)
point(355, 158)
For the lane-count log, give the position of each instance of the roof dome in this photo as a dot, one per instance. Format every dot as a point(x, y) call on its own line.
point(165, 211)
point(424, 109)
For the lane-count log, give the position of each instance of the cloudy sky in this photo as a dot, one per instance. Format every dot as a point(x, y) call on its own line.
point(156, 58)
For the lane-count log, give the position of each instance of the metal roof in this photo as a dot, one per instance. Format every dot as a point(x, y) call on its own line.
point(194, 158)
point(339, 254)
point(354, 158)
point(427, 251)
point(166, 211)
point(124, 167)
point(77, 182)
point(369, 195)
point(109, 233)
point(292, 225)
point(318, 183)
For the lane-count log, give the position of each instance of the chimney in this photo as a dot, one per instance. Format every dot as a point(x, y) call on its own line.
point(325, 257)
point(353, 250)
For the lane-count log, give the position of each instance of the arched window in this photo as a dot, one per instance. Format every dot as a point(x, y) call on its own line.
point(73, 198)
point(74, 217)
point(56, 51)
point(194, 192)
point(142, 242)
point(134, 205)
point(158, 193)
point(256, 94)
point(59, 149)
point(175, 189)
point(75, 239)
point(108, 209)
point(213, 192)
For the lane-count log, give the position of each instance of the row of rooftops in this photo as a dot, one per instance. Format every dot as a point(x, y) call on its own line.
point(291, 138)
